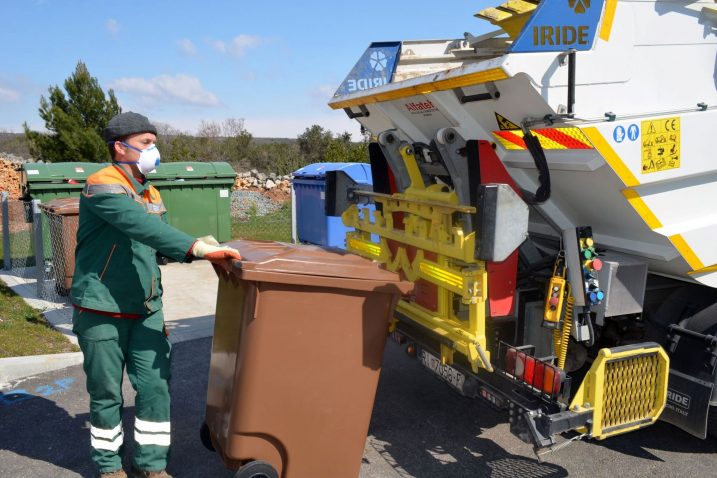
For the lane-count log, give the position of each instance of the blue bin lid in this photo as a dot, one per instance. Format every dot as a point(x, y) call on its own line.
point(359, 172)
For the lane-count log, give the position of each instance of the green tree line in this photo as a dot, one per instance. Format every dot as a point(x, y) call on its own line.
point(75, 115)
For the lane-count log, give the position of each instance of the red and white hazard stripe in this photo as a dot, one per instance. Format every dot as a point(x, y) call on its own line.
point(550, 138)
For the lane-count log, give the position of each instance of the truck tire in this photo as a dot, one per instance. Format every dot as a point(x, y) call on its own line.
point(682, 304)
point(206, 437)
point(712, 422)
point(257, 469)
point(705, 322)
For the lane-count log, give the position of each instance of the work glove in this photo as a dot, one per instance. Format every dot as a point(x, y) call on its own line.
point(208, 248)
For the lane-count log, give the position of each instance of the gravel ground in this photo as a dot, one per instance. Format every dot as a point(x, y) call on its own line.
point(248, 203)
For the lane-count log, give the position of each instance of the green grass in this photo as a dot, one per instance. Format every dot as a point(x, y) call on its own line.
point(272, 227)
point(23, 250)
point(24, 331)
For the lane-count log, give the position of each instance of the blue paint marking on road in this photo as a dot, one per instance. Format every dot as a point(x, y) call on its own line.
point(16, 396)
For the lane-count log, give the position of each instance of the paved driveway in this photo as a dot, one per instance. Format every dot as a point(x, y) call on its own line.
point(420, 428)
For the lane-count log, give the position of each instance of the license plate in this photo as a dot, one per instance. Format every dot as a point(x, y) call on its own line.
point(454, 378)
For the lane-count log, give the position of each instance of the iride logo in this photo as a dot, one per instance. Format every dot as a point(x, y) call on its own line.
point(579, 6)
point(678, 399)
point(378, 61)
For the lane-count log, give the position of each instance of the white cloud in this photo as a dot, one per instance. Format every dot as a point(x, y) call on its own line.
point(238, 46)
point(242, 43)
point(178, 88)
point(7, 95)
point(187, 47)
point(112, 26)
point(218, 45)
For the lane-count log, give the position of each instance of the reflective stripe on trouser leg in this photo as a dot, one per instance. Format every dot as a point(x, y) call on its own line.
point(110, 440)
point(148, 362)
point(102, 341)
point(151, 433)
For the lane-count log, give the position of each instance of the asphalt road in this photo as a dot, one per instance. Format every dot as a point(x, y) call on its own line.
point(420, 428)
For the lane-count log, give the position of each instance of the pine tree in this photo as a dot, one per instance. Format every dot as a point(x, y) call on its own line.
point(74, 120)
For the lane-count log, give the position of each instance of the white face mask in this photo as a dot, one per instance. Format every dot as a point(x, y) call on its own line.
point(148, 158)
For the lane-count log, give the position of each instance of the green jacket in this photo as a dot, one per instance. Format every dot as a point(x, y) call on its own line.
point(119, 233)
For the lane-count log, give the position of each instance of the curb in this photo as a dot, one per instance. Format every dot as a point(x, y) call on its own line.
point(59, 315)
point(15, 368)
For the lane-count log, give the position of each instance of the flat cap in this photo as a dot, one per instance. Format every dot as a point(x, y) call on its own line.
point(125, 124)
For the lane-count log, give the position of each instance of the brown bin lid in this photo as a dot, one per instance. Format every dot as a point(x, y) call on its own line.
point(312, 265)
point(64, 206)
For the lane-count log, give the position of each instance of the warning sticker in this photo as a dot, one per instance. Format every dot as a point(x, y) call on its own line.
point(660, 144)
point(505, 124)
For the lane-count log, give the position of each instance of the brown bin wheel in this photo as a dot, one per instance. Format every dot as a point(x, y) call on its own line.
point(257, 469)
point(206, 437)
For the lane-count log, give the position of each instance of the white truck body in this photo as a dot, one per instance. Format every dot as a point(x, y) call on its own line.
point(635, 158)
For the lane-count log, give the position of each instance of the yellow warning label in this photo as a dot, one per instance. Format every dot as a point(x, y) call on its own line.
point(660, 144)
point(505, 124)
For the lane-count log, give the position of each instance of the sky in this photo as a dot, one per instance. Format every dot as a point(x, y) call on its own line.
point(273, 64)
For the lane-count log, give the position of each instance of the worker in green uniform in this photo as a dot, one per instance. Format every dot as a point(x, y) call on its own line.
point(117, 298)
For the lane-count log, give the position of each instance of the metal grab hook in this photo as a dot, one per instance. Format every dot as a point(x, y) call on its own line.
point(557, 447)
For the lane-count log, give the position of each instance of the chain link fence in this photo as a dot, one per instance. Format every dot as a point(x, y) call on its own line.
point(59, 237)
point(257, 216)
point(32, 236)
point(18, 245)
point(35, 234)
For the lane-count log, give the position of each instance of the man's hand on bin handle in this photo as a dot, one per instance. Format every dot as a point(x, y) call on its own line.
point(208, 248)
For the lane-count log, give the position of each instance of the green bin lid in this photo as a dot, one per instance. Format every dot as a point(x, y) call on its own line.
point(58, 172)
point(192, 170)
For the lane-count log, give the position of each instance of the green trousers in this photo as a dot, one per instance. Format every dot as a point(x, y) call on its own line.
point(110, 345)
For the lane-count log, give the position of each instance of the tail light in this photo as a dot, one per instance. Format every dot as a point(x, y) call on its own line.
point(520, 365)
point(538, 376)
point(529, 373)
point(542, 377)
point(510, 361)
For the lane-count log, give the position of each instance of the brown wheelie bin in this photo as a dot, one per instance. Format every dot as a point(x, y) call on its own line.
point(64, 218)
point(297, 349)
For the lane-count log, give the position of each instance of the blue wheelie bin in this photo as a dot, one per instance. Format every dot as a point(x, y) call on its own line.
point(313, 226)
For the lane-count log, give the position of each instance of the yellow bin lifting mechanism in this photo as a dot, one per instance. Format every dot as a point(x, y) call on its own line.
point(550, 192)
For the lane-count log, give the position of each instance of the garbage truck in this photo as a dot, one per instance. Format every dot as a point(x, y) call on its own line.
point(551, 188)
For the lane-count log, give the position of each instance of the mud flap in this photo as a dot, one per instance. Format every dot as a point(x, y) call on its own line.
point(688, 403)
